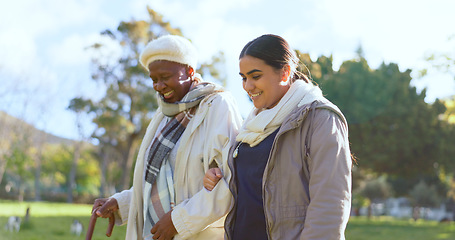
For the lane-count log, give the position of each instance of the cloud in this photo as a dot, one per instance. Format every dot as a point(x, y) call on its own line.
point(43, 41)
point(18, 51)
point(391, 31)
point(43, 61)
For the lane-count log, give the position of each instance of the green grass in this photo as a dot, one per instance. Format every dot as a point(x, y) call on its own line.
point(360, 228)
point(52, 221)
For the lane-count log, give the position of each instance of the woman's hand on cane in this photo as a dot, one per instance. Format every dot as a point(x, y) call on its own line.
point(105, 208)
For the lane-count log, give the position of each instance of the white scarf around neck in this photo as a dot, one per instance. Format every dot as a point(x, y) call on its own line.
point(257, 126)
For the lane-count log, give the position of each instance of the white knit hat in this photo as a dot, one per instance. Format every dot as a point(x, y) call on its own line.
point(171, 48)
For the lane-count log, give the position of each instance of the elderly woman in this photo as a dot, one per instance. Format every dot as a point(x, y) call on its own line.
point(291, 164)
point(190, 130)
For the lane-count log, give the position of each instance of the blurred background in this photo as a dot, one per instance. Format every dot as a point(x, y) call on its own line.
point(74, 103)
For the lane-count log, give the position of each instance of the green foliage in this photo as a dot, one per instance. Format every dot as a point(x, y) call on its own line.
point(424, 195)
point(214, 69)
point(18, 154)
point(359, 201)
point(56, 165)
point(376, 189)
point(443, 61)
point(449, 114)
point(20, 161)
point(390, 125)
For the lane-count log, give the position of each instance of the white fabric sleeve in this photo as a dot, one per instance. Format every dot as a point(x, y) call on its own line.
point(123, 200)
point(205, 207)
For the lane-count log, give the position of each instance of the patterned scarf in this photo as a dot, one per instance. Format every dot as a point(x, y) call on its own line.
point(165, 142)
point(191, 99)
point(159, 187)
point(170, 134)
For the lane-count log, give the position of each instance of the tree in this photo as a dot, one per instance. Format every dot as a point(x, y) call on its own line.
point(76, 156)
point(449, 114)
point(123, 113)
point(375, 189)
point(390, 124)
point(424, 195)
point(213, 69)
point(56, 168)
point(444, 62)
point(4, 145)
point(19, 163)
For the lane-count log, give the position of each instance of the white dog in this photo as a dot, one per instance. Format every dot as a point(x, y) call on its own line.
point(76, 227)
point(14, 223)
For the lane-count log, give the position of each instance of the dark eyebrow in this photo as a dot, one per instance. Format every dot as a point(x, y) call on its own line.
point(253, 71)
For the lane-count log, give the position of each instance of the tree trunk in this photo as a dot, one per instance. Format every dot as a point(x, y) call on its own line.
point(416, 213)
point(20, 197)
point(2, 168)
point(37, 177)
point(369, 211)
point(104, 162)
point(3, 148)
point(128, 163)
point(72, 175)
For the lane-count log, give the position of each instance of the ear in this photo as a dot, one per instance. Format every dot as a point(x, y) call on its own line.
point(285, 73)
point(190, 71)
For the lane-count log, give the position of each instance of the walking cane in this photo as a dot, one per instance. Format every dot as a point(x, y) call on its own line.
point(91, 225)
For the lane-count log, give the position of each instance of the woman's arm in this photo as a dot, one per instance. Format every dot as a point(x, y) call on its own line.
point(330, 178)
point(204, 208)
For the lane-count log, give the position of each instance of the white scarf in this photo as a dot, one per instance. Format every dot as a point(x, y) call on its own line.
point(258, 126)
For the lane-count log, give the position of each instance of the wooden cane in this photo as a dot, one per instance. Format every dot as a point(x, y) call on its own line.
point(91, 226)
point(110, 227)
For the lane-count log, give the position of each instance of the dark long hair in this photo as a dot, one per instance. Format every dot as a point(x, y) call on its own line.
point(275, 52)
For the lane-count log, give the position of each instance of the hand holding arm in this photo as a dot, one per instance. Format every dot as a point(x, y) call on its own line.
point(164, 228)
point(212, 177)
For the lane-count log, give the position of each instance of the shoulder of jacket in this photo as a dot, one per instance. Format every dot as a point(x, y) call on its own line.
point(327, 105)
point(300, 114)
point(212, 104)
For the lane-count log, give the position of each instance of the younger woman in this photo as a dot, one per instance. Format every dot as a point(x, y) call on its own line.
point(291, 164)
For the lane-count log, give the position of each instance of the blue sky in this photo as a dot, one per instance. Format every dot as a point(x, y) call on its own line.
point(43, 63)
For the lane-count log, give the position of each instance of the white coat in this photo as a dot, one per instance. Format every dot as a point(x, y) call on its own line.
point(199, 214)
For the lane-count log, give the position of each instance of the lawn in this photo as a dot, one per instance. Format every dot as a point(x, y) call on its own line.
point(53, 220)
point(388, 228)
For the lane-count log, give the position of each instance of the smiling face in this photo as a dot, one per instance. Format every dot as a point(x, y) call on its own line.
point(264, 84)
point(170, 79)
